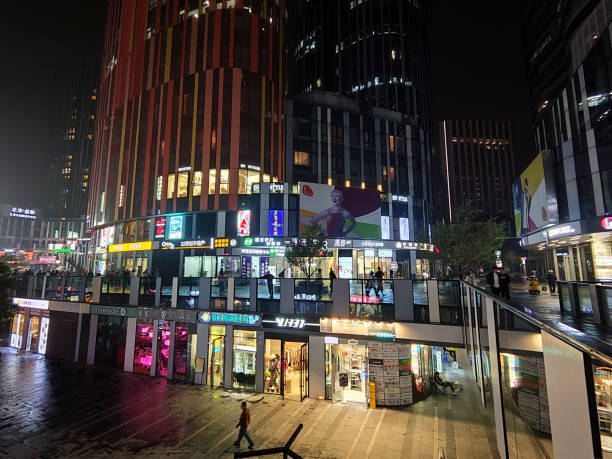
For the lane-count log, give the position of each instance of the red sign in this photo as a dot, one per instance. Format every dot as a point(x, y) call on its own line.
point(606, 223)
point(160, 228)
point(46, 260)
point(364, 299)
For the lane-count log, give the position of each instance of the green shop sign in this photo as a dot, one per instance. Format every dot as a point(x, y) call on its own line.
point(229, 318)
point(120, 311)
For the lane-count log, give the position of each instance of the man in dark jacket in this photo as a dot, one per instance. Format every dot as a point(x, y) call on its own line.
point(243, 423)
point(504, 284)
point(552, 281)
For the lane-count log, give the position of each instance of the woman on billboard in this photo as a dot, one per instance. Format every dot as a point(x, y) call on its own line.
point(336, 217)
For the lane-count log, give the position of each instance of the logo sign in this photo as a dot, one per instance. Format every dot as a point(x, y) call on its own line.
point(197, 244)
point(561, 231)
point(31, 304)
point(230, 318)
point(175, 227)
point(275, 223)
point(21, 212)
point(222, 243)
point(130, 247)
point(112, 311)
point(46, 260)
point(61, 250)
point(248, 241)
point(606, 223)
point(283, 322)
point(160, 228)
point(244, 223)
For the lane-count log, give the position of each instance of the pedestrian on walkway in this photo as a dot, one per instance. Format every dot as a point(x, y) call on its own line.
point(269, 278)
point(552, 281)
point(379, 285)
point(332, 276)
point(504, 284)
point(243, 423)
point(493, 280)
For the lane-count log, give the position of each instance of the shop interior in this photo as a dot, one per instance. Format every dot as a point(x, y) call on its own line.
point(602, 377)
point(346, 371)
point(286, 368)
point(245, 347)
point(143, 347)
point(110, 341)
point(163, 348)
point(216, 352)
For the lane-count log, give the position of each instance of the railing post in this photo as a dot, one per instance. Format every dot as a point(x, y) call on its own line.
point(96, 289)
point(158, 286)
point(404, 300)
point(341, 298)
point(134, 291)
point(434, 301)
point(287, 301)
point(174, 299)
point(204, 301)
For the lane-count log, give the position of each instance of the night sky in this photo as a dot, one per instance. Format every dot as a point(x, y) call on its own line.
point(477, 71)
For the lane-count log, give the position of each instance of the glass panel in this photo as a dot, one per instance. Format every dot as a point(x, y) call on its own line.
point(181, 336)
point(584, 299)
point(197, 183)
point(171, 184)
point(272, 376)
point(183, 182)
point(565, 297)
point(245, 346)
point(224, 181)
point(212, 178)
point(143, 347)
point(216, 353)
point(292, 367)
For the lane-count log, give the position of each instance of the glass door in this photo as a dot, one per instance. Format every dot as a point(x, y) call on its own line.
point(304, 371)
point(32, 341)
point(215, 359)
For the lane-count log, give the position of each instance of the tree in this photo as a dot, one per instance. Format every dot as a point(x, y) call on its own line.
point(304, 250)
point(6, 283)
point(470, 242)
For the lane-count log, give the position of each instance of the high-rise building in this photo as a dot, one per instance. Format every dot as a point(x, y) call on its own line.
point(72, 142)
point(562, 211)
point(476, 165)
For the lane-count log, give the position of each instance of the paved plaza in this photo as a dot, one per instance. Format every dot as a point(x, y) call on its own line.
point(52, 409)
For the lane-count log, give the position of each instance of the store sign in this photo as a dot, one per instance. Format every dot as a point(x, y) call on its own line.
point(160, 228)
point(339, 243)
point(130, 247)
point(197, 244)
point(264, 242)
point(224, 243)
point(404, 229)
point(244, 223)
point(385, 227)
point(181, 315)
point(368, 244)
point(47, 260)
point(229, 318)
point(21, 212)
point(284, 322)
point(606, 223)
point(277, 187)
point(100, 250)
point(271, 252)
point(111, 311)
point(44, 334)
point(175, 227)
point(61, 250)
point(563, 230)
point(382, 330)
point(275, 223)
point(31, 304)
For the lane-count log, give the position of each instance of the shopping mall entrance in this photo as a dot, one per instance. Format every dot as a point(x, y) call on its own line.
point(286, 367)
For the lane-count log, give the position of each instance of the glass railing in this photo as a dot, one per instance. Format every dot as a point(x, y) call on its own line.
point(584, 299)
point(115, 290)
point(565, 302)
point(313, 289)
point(188, 295)
point(218, 287)
point(606, 296)
point(449, 296)
point(268, 288)
point(146, 291)
point(420, 301)
point(78, 288)
point(53, 288)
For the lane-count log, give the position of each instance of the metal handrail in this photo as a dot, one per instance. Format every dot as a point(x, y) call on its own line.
point(538, 323)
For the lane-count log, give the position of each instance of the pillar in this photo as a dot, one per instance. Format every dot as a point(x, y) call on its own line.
point(130, 341)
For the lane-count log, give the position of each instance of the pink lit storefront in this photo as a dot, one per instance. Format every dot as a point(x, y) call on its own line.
point(163, 343)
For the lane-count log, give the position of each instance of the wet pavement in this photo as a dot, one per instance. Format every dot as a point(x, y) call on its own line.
point(54, 409)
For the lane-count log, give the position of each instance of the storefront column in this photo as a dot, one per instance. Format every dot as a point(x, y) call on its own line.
point(130, 341)
point(158, 286)
point(597, 309)
point(154, 348)
point(170, 374)
point(433, 301)
point(91, 344)
point(230, 293)
point(573, 414)
point(202, 353)
point(404, 299)
point(496, 388)
point(204, 293)
point(96, 289)
point(134, 291)
point(78, 337)
point(228, 364)
point(316, 366)
point(260, 358)
point(253, 294)
point(287, 301)
point(341, 297)
point(174, 300)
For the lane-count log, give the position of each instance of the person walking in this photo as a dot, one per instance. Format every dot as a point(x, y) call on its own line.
point(493, 280)
point(504, 284)
point(332, 276)
point(243, 423)
point(221, 280)
point(552, 281)
point(269, 277)
point(379, 277)
point(319, 283)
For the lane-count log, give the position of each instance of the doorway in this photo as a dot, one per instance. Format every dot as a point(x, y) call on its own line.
point(216, 352)
point(32, 341)
point(286, 371)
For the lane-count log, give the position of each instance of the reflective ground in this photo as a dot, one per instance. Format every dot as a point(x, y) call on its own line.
point(48, 409)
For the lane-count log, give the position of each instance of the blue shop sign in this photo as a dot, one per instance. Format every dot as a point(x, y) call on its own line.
point(229, 318)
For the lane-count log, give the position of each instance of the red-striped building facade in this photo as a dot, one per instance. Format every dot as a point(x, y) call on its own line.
point(190, 108)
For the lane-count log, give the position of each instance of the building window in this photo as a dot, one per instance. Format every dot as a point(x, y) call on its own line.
point(170, 191)
point(183, 185)
point(197, 183)
point(243, 371)
point(224, 181)
point(391, 143)
point(301, 158)
point(212, 181)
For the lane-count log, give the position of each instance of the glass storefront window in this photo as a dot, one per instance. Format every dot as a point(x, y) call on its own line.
point(197, 183)
point(212, 179)
point(183, 182)
point(345, 371)
point(245, 346)
point(163, 348)
point(171, 185)
point(18, 330)
point(32, 342)
point(110, 341)
point(216, 353)
point(181, 337)
point(143, 347)
point(224, 181)
point(272, 376)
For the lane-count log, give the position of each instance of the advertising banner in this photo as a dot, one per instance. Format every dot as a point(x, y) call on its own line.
point(275, 223)
point(534, 200)
point(175, 227)
point(341, 211)
point(244, 223)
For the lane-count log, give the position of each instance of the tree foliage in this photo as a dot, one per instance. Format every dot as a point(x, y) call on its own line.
point(468, 243)
point(6, 283)
point(303, 252)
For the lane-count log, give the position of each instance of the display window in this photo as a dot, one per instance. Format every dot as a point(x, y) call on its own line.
point(245, 346)
point(602, 378)
point(346, 371)
point(110, 341)
point(180, 361)
point(33, 334)
point(163, 348)
point(286, 368)
point(216, 355)
point(18, 330)
point(143, 347)
point(44, 334)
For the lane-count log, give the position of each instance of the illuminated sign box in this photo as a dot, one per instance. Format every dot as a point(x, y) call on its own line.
point(20, 212)
point(197, 244)
point(31, 304)
point(244, 223)
point(130, 247)
point(175, 227)
point(229, 318)
point(160, 228)
point(222, 243)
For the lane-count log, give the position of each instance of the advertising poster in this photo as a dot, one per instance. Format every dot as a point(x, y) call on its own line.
point(534, 205)
point(404, 229)
point(244, 223)
point(385, 227)
point(275, 223)
point(341, 211)
point(345, 267)
point(175, 227)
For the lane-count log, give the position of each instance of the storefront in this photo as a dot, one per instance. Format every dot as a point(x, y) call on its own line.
point(30, 327)
point(110, 335)
point(244, 359)
point(286, 366)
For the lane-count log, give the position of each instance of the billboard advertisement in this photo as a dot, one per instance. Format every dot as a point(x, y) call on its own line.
point(534, 199)
point(244, 223)
point(341, 211)
point(275, 223)
point(175, 227)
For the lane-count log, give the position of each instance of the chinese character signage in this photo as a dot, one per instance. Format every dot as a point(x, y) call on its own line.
point(275, 223)
point(404, 229)
point(31, 304)
point(160, 228)
point(175, 227)
point(244, 223)
point(245, 267)
point(21, 212)
point(384, 227)
point(229, 318)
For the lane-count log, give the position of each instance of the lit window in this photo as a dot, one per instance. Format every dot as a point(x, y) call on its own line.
point(91, 117)
point(93, 97)
point(197, 183)
point(121, 195)
point(183, 183)
point(158, 188)
point(391, 143)
point(90, 136)
point(102, 201)
point(266, 178)
point(242, 181)
point(224, 181)
point(301, 158)
point(252, 178)
point(170, 191)
point(212, 179)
